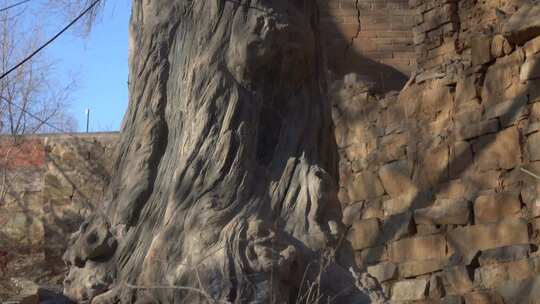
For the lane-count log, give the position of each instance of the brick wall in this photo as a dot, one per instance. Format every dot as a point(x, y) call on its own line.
point(369, 37)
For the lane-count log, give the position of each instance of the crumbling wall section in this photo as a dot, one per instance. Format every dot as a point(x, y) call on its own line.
point(440, 182)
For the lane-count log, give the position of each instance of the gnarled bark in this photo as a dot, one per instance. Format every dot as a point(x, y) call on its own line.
point(225, 178)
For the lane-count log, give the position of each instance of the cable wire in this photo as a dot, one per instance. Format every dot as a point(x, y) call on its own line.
point(50, 40)
point(44, 122)
point(13, 5)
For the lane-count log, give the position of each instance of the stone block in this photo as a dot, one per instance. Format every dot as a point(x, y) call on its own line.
point(496, 274)
point(365, 233)
point(427, 103)
point(524, 24)
point(502, 79)
point(472, 130)
point(406, 202)
point(465, 89)
point(470, 112)
point(490, 208)
point(438, 16)
point(498, 151)
point(410, 290)
point(503, 254)
point(395, 178)
point(373, 209)
point(532, 47)
point(460, 158)
point(468, 239)
point(371, 256)
point(398, 226)
point(444, 212)
point(481, 49)
point(535, 231)
point(510, 111)
point(530, 68)
point(533, 146)
point(383, 272)
point(432, 168)
point(392, 148)
point(482, 297)
point(518, 292)
point(458, 279)
point(482, 180)
point(500, 46)
point(424, 229)
point(452, 299)
point(456, 189)
point(365, 185)
point(531, 196)
point(418, 248)
point(410, 269)
point(436, 288)
point(352, 213)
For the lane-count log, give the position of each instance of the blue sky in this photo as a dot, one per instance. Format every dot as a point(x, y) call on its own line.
point(100, 63)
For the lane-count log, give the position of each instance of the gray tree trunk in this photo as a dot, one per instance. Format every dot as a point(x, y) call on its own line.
point(225, 186)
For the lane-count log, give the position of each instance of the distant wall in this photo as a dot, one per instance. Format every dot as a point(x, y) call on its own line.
point(48, 185)
point(369, 37)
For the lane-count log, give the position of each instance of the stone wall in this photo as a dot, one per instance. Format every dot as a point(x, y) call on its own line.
point(48, 185)
point(369, 37)
point(437, 182)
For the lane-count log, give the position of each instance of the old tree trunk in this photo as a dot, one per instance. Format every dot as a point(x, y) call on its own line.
point(224, 188)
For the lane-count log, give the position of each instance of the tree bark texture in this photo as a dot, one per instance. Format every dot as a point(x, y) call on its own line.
point(224, 189)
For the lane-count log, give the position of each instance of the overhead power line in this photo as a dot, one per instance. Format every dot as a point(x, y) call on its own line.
point(34, 116)
point(34, 53)
point(30, 114)
point(13, 5)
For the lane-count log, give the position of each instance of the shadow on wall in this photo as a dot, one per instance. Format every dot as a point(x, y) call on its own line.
point(494, 117)
point(343, 58)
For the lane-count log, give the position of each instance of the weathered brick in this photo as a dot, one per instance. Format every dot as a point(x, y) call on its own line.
point(482, 297)
point(492, 275)
point(418, 248)
point(410, 269)
point(508, 112)
point(410, 290)
point(495, 207)
point(533, 146)
point(460, 158)
point(468, 131)
point(530, 68)
point(502, 79)
point(407, 201)
point(498, 151)
point(398, 226)
point(458, 279)
point(383, 272)
point(532, 47)
point(365, 185)
point(365, 233)
point(370, 256)
point(444, 212)
point(503, 254)
point(486, 236)
point(481, 49)
point(395, 178)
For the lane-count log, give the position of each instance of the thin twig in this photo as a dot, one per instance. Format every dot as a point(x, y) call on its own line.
point(530, 173)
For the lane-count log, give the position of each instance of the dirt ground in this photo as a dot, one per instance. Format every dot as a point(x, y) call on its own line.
point(25, 272)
